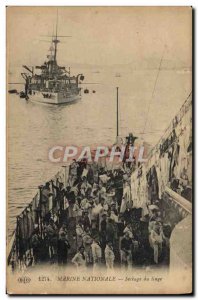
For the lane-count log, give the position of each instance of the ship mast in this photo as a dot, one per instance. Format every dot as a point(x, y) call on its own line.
point(56, 41)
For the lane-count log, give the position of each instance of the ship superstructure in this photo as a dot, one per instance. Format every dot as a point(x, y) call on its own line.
point(53, 84)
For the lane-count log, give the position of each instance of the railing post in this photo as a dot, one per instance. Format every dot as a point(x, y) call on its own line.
point(40, 209)
point(65, 175)
point(17, 237)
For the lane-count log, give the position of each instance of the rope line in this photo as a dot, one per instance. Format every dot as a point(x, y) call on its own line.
point(153, 92)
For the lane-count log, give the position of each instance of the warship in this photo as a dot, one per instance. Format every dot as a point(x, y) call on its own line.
point(54, 84)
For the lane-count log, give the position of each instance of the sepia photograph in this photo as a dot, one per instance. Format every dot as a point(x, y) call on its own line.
point(99, 150)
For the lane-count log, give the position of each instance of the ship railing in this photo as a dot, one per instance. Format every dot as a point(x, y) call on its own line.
point(179, 201)
point(19, 246)
point(187, 105)
point(183, 119)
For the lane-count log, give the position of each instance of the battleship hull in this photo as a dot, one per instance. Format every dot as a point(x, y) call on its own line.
point(54, 97)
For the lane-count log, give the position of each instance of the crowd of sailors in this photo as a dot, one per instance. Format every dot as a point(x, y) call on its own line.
point(91, 222)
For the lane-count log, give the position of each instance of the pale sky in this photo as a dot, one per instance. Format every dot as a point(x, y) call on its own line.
point(103, 36)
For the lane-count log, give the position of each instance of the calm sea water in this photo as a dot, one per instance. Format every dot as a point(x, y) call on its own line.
point(34, 128)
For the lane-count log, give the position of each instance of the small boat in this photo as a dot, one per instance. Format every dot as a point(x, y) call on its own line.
point(23, 95)
point(86, 91)
point(13, 91)
point(117, 75)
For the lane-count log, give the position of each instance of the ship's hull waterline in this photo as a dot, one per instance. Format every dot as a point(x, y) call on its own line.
point(53, 98)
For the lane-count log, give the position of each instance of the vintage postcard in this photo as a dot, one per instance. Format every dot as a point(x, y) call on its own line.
point(99, 150)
